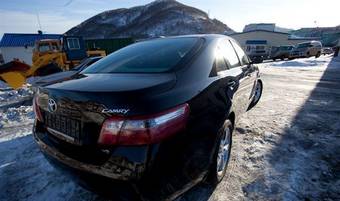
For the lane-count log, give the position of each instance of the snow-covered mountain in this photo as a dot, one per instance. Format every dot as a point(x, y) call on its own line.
point(159, 18)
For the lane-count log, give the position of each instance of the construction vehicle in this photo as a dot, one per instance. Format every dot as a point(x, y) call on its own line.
point(49, 56)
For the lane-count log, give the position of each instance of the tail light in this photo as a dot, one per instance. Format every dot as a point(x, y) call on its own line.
point(36, 109)
point(144, 129)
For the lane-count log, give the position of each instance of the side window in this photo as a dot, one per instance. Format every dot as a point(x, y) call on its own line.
point(220, 63)
point(243, 57)
point(229, 54)
point(44, 47)
point(73, 43)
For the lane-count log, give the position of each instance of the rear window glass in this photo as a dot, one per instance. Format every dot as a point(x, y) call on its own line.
point(155, 56)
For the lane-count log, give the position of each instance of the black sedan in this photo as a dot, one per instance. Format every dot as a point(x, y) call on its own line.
point(157, 115)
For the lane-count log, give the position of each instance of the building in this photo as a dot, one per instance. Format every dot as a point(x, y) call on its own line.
point(269, 38)
point(262, 41)
point(265, 27)
point(20, 46)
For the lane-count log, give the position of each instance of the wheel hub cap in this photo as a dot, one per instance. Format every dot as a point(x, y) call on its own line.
point(223, 154)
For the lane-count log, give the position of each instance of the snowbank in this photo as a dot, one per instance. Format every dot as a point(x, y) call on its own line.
point(8, 96)
point(321, 62)
point(16, 117)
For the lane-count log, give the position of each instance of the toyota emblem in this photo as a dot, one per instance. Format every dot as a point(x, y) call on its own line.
point(52, 105)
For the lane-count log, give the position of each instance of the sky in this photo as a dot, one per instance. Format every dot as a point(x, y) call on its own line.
point(21, 16)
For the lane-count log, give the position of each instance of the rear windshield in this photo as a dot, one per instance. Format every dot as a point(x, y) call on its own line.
point(154, 56)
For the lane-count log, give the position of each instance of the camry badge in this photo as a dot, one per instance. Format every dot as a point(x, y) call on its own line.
point(52, 105)
point(115, 111)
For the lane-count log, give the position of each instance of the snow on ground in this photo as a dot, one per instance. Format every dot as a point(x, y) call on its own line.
point(286, 148)
point(15, 120)
point(320, 62)
point(8, 96)
point(15, 98)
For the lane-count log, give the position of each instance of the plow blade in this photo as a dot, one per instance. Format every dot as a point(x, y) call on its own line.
point(13, 79)
point(14, 73)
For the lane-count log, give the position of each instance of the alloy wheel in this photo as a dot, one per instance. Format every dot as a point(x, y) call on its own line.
point(223, 153)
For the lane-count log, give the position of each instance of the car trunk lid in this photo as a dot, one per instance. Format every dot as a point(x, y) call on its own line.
point(74, 110)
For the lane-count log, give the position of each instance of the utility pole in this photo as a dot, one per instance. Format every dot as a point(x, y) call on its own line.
point(39, 24)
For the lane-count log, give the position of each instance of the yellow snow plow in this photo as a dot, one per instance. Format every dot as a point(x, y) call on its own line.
point(49, 56)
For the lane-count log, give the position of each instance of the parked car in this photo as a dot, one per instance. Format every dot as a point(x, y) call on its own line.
point(156, 112)
point(282, 52)
point(57, 77)
point(257, 53)
point(307, 49)
point(327, 50)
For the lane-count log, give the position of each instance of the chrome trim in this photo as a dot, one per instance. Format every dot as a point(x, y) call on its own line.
point(61, 136)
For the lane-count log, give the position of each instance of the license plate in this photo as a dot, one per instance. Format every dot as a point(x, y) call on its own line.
point(63, 126)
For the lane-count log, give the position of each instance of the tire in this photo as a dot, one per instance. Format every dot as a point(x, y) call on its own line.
point(221, 156)
point(257, 95)
point(48, 70)
point(318, 55)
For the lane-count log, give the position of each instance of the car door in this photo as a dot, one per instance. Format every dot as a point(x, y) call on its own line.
point(248, 69)
point(233, 79)
point(74, 48)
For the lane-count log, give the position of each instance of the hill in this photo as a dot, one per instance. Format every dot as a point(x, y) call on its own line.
point(159, 18)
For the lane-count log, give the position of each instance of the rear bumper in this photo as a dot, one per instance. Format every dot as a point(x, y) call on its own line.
point(298, 55)
point(104, 186)
point(156, 171)
point(122, 164)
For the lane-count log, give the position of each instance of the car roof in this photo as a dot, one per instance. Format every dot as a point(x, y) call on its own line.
point(205, 36)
